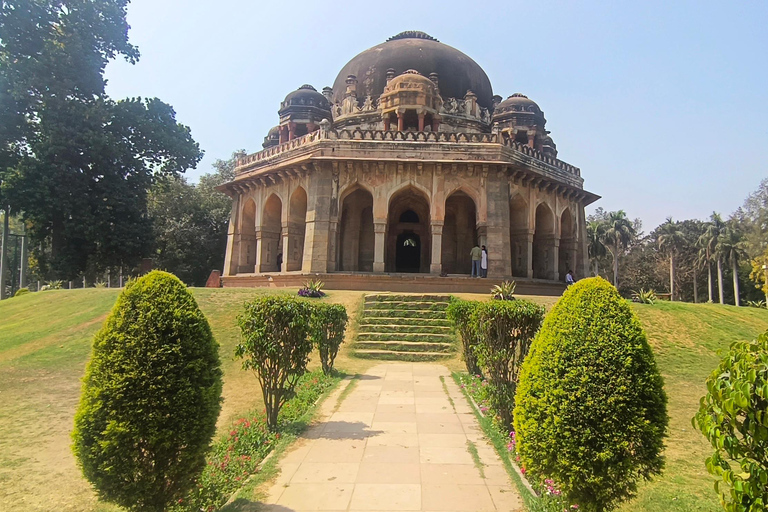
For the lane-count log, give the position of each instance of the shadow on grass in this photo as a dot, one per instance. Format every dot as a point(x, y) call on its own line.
point(246, 505)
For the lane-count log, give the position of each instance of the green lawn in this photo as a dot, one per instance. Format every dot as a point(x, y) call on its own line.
point(45, 343)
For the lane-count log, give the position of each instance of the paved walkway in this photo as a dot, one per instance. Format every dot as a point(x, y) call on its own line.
point(396, 442)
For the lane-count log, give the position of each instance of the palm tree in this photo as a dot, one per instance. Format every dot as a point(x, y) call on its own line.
point(671, 239)
point(596, 247)
point(710, 239)
point(705, 258)
point(730, 247)
point(619, 233)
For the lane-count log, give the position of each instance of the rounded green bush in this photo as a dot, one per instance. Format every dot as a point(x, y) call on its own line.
point(460, 313)
point(21, 291)
point(590, 406)
point(733, 418)
point(328, 324)
point(151, 396)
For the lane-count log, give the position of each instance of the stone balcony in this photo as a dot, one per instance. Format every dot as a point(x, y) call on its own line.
point(445, 147)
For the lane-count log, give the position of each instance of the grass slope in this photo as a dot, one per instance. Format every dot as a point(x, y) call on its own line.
point(45, 341)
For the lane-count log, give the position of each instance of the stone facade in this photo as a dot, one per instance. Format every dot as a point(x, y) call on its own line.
point(405, 179)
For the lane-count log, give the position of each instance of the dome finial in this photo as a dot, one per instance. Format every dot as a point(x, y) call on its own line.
point(413, 34)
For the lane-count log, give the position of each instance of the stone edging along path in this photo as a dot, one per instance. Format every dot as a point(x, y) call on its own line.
point(402, 439)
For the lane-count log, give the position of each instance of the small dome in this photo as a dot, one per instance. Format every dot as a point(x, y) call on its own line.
point(272, 138)
point(306, 95)
point(412, 76)
point(518, 102)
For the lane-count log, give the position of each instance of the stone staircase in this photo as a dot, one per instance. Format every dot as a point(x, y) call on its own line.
point(405, 328)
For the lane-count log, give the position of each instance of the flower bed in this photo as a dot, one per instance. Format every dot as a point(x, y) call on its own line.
point(548, 496)
point(237, 455)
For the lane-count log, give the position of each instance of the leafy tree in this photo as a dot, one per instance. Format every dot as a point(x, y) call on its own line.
point(275, 344)
point(460, 312)
point(619, 233)
point(730, 247)
point(595, 246)
point(671, 241)
point(732, 418)
point(78, 164)
point(759, 273)
point(590, 410)
point(151, 396)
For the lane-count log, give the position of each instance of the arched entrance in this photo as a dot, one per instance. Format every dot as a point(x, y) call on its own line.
point(519, 232)
point(297, 226)
point(459, 234)
point(271, 234)
point(408, 257)
point(544, 243)
point(356, 236)
point(247, 262)
point(567, 249)
point(408, 215)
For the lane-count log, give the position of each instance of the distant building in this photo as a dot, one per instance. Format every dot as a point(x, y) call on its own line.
point(403, 166)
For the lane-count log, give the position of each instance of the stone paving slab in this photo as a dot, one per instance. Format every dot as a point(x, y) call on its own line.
point(395, 443)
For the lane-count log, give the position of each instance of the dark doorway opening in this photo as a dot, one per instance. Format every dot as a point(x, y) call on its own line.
point(408, 255)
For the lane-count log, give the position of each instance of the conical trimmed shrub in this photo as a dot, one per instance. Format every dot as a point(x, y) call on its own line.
point(150, 398)
point(590, 406)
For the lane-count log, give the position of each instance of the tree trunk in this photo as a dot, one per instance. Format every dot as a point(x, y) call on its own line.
point(735, 281)
point(672, 277)
point(720, 279)
point(709, 278)
point(4, 253)
point(616, 267)
point(597, 269)
point(695, 287)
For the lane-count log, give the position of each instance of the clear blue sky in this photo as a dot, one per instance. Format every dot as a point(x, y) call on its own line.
point(663, 105)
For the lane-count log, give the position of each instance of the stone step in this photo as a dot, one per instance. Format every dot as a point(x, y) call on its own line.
point(403, 321)
point(402, 313)
point(387, 297)
point(405, 346)
point(388, 336)
point(406, 305)
point(392, 355)
point(399, 328)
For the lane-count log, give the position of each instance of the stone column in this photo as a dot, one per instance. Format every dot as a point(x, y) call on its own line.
point(379, 229)
point(555, 259)
point(386, 122)
point(529, 255)
point(286, 237)
point(230, 257)
point(260, 256)
point(421, 121)
point(400, 121)
point(437, 247)
point(318, 226)
point(333, 244)
point(497, 226)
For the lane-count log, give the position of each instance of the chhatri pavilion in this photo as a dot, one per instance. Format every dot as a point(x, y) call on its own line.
point(400, 168)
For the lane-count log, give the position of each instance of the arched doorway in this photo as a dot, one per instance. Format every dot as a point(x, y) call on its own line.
point(297, 226)
point(544, 243)
point(356, 236)
point(271, 235)
point(408, 214)
point(408, 257)
point(567, 249)
point(459, 233)
point(247, 261)
point(519, 232)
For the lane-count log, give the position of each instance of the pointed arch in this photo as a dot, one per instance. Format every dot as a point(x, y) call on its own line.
point(519, 233)
point(459, 232)
point(271, 234)
point(247, 255)
point(544, 257)
point(408, 238)
point(356, 236)
point(297, 226)
point(568, 246)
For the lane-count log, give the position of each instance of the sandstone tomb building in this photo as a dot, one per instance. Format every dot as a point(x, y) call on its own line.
point(401, 167)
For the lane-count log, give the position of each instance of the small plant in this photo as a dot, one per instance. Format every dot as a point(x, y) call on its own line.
point(591, 411)
point(756, 304)
point(460, 313)
point(150, 397)
point(100, 284)
point(504, 290)
point(329, 321)
point(644, 296)
point(505, 331)
point(732, 417)
point(21, 291)
point(54, 285)
point(275, 344)
point(312, 288)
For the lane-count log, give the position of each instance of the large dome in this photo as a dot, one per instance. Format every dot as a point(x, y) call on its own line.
point(457, 73)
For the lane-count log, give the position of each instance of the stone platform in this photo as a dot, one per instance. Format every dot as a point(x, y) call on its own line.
point(408, 283)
